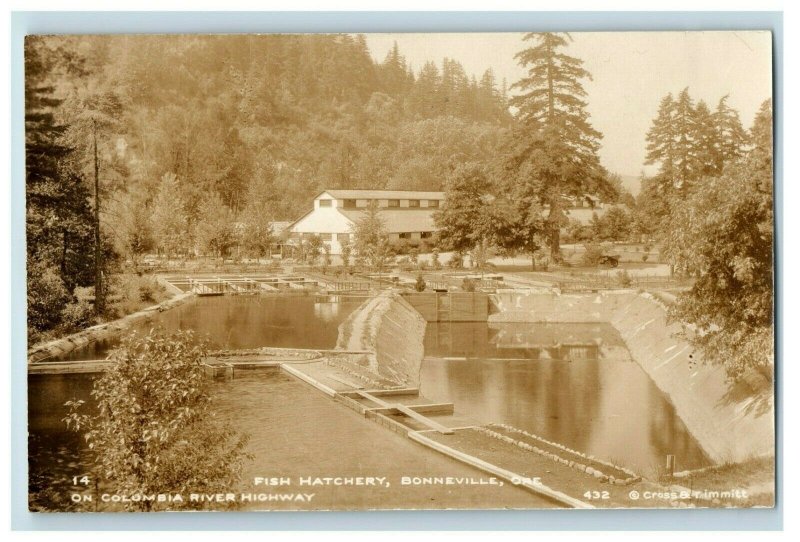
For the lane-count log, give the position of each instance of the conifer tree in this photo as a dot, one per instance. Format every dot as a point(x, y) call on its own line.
point(555, 136)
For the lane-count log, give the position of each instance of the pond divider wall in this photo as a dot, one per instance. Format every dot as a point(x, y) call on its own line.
point(728, 428)
point(388, 326)
point(450, 306)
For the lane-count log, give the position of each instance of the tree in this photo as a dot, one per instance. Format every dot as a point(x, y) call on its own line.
point(616, 224)
point(731, 137)
point(168, 219)
point(259, 212)
point(132, 227)
point(313, 249)
point(370, 240)
point(347, 252)
point(155, 430)
point(519, 223)
point(725, 240)
point(466, 220)
point(60, 247)
point(217, 231)
point(554, 137)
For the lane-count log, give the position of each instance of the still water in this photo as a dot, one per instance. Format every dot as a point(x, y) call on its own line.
point(246, 322)
point(574, 384)
point(571, 383)
point(294, 432)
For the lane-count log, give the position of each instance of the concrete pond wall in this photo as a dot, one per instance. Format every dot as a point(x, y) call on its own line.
point(390, 328)
point(58, 347)
point(729, 428)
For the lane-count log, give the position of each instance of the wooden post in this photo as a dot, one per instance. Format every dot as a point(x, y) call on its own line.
point(670, 465)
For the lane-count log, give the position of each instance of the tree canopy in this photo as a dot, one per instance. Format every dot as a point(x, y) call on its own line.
point(554, 143)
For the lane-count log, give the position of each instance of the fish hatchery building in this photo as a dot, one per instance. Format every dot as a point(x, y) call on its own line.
point(407, 215)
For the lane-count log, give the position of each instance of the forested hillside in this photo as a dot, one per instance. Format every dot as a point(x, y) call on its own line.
point(228, 114)
point(188, 136)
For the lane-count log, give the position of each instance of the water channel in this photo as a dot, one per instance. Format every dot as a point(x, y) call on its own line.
point(570, 383)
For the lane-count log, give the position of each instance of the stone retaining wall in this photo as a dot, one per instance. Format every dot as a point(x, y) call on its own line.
point(728, 428)
point(393, 331)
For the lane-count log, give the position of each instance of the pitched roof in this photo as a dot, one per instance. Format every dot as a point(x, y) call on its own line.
point(398, 220)
point(382, 194)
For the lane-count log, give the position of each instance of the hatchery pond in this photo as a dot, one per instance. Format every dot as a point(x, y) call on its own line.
point(591, 398)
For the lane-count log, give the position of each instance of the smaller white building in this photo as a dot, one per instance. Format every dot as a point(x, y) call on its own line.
point(407, 215)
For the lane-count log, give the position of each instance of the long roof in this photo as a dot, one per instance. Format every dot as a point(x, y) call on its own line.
point(398, 220)
point(382, 194)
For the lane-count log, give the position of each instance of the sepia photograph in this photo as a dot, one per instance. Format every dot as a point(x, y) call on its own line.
point(411, 271)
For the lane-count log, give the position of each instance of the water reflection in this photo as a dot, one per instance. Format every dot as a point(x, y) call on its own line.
point(599, 402)
point(247, 322)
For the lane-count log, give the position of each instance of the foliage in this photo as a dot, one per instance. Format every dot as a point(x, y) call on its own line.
point(346, 254)
point(419, 284)
point(60, 244)
point(468, 285)
point(689, 144)
point(203, 143)
point(591, 256)
point(370, 239)
point(623, 278)
point(554, 145)
point(47, 297)
point(725, 240)
point(155, 430)
point(466, 222)
point(456, 260)
point(616, 224)
point(217, 232)
point(435, 263)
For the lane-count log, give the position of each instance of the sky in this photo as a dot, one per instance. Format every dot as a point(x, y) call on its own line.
point(631, 73)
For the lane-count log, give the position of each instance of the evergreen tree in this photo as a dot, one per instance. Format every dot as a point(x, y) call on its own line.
point(725, 240)
point(731, 137)
point(60, 248)
point(554, 136)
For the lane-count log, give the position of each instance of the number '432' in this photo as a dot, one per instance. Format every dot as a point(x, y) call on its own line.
point(594, 495)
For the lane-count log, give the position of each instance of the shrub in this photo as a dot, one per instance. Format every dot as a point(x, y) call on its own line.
point(456, 261)
point(79, 313)
point(624, 279)
point(420, 284)
point(435, 263)
point(468, 285)
point(47, 297)
point(154, 429)
point(592, 255)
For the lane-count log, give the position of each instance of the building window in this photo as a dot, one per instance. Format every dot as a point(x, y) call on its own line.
point(405, 235)
point(394, 203)
point(413, 203)
point(433, 203)
point(426, 235)
point(343, 237)
point(326, 236)
point(349, 204)
point(325, 202)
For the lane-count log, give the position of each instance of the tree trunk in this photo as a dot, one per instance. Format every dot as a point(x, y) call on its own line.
point(99, 298)
point(554, 219)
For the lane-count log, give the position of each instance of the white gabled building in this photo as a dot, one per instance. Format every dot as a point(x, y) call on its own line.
point(407, 215)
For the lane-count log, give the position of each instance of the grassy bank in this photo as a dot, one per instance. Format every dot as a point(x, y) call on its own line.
point(755, 477)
